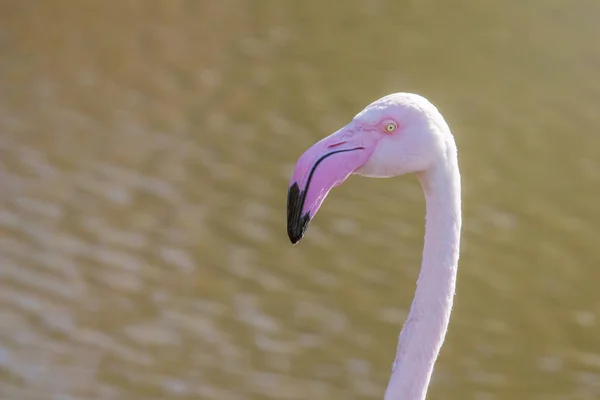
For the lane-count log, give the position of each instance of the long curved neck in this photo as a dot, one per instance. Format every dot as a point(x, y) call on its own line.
point(425, 328)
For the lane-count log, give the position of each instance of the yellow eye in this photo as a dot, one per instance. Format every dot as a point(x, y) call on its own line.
point(391, 127)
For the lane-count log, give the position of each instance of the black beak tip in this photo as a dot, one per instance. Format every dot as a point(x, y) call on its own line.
point(296, 222)
point(294, 238)
point(297, 228)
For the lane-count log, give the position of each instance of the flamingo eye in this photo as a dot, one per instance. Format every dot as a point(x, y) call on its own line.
point(390, 127)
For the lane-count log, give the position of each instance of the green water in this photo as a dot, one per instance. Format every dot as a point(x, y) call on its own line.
point(145, 152)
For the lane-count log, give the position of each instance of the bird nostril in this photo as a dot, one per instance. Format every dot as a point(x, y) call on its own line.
point(336, 144)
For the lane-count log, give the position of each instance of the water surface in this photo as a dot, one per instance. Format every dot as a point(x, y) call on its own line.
point(145, 152)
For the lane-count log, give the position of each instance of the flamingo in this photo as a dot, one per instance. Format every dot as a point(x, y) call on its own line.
point(398, 134)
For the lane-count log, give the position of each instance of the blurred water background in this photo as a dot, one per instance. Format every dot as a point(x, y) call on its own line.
point(145, 152)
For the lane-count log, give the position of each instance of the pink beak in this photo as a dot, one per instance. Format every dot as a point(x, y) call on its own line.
point(326, 164)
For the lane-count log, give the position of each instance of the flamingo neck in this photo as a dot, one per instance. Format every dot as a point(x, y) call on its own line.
point(425, 328)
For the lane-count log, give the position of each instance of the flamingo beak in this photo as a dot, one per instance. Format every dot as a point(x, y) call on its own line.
point(323, 166)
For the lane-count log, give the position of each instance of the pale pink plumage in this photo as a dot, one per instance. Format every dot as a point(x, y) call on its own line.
point(421, 144)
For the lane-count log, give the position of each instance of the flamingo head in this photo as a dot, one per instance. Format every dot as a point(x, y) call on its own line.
point(398, 134)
